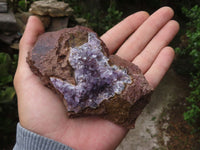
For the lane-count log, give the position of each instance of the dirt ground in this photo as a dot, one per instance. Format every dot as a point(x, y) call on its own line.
point(182, 136)
point(161, 125)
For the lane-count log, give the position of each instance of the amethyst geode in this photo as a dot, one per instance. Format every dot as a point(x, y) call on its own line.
point(75, 64)
point(95, 79)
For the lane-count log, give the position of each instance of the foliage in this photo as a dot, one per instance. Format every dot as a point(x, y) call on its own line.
point(192, 50)
point(113, 16)
point(7, 91)
point(24, 4)
point(8, 111)
point(98, 18)
point(192, 115)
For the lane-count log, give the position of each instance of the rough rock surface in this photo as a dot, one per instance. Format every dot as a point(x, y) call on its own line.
point(81, 21)
point(3, 6)
point(51, 8)
point(8, 22)
point(58, 23)
point(116, 91)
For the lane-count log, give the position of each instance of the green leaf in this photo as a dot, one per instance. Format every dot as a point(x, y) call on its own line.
point(191, 51)
point(7, 95)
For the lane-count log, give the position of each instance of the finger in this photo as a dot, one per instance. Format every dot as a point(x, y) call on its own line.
point(137, 41)
point(145, 59)
point(33, 29)
point(119, 33)
point(160, 66)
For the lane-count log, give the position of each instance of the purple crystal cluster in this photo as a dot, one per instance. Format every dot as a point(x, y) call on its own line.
point(95, 79)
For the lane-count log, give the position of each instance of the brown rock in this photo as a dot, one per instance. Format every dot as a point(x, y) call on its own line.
point(46, 20)
point(51, 8)
point(81, 21)
point(49, 58)
point(58, 23)
point(22, 19)
point(15, 46)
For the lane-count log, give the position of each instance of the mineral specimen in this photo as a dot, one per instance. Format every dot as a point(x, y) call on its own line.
point(75, 63)
point(95, 79)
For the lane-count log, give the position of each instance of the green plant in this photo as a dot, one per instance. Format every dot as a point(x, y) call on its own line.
point(100, 19)
point(191, 50)
point(7, 92)
point(8, 108)
point(113, 16)
point(192, 115)
point(24, 4)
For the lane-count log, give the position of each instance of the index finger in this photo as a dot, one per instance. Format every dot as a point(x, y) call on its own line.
point(114, 37)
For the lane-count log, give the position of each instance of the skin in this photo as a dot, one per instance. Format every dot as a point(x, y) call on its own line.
point(139, 38)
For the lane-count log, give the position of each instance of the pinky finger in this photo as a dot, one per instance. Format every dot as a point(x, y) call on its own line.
point(160, 66)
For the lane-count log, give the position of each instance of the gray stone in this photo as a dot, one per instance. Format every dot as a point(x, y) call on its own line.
point(3, 7)
point(21, 19)
point(81, 21)
point(9, 38)
point(58, 23)
point(46, 20)
point(20, 25)
point(8, 22)
point(51, 8)
point(23, 16)
point(15, 46)
point(50, 0)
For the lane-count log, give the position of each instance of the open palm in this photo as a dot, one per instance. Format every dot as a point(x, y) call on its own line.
point(139, 38)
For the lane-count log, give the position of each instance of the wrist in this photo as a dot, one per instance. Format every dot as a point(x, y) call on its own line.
point(26, 139)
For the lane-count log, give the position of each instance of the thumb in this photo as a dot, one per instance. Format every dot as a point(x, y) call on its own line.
point(33, 29)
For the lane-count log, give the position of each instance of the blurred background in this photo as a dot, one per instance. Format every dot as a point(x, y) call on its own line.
point(171, 120)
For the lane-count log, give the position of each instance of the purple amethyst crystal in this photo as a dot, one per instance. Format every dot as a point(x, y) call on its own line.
point(95, 79)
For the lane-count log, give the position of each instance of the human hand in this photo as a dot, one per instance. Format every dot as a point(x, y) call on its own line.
point(139, 38)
